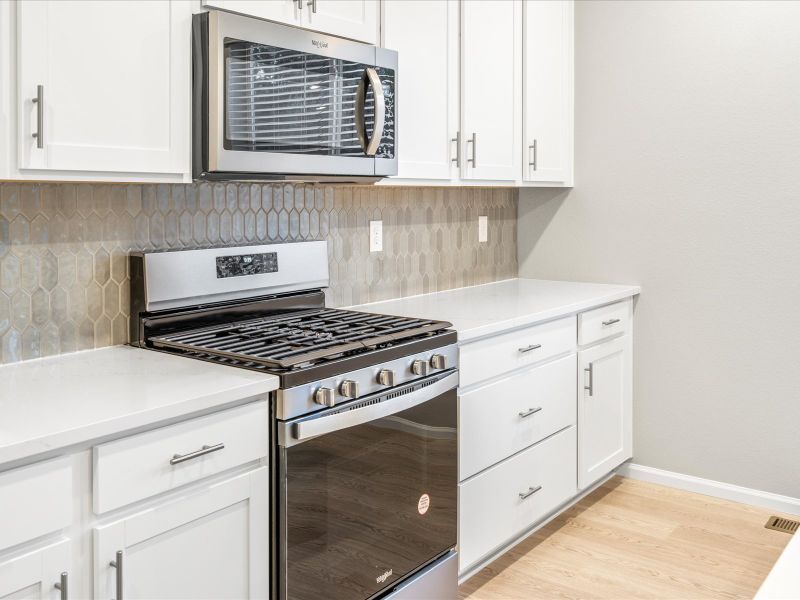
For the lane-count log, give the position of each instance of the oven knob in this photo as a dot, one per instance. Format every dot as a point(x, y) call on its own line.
point(325, 396)
point(386, 377)
point(349, 388)
point(419, 367)
point(438, 361)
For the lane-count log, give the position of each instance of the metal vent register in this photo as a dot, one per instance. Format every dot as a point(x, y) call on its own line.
point(781, 524)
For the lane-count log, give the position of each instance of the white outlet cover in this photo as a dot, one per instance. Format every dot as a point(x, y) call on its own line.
point(376, 236)
point(483, 228)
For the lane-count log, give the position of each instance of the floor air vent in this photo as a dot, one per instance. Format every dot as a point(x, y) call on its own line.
point(781, 524)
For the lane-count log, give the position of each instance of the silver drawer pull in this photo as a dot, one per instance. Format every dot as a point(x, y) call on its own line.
point(610, 322)
point(63, 586)
point(529, 348)
point(529, 412)
point(529, 493)
point(179, 458)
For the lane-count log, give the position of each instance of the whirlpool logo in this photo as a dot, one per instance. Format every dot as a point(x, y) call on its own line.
point(319, 43)
point(384, 577)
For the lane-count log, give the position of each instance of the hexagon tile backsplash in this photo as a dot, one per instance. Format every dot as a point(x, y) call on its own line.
point(63, 247)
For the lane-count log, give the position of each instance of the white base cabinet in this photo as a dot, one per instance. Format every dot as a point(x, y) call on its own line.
point(545, 411)
point(604, 409)
point(207, 545)
point(35, 575)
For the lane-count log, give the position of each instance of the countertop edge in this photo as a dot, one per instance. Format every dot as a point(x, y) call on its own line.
point(17, 454)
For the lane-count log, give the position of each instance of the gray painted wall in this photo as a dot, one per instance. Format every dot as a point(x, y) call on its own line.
point(688, 183)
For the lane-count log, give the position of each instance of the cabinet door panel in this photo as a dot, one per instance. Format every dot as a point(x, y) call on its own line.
point(604, 411)
point(547, 107)
point(354, 19)
point(425, 34)
point(115, 78)
point(33, 576)
point(491, 72)
point(282, 11)
point(207, 545)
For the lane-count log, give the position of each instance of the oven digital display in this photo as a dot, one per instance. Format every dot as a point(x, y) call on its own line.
point(247, 264)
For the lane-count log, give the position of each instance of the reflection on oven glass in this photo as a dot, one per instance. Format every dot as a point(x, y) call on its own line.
point(369, 504)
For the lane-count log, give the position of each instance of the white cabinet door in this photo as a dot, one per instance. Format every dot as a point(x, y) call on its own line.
point(426, 35)
point(354, 19)
point(547, 103)
point(282, 11)
point(208, 545)
point(115, 80)
point(491, 51)
point(34, 576)
point(604, 409)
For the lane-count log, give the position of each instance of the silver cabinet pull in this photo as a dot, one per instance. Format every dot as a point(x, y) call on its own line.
point(457, 140)
point(590, 371)
point(63, 586)
point(529, 348)
point(533, 161)
point(529, 412)
point(179, 458)
point(39, 102)
point(610, 322)
point(117, 564)
point(531, 491)
point(370, 77)
point(313, 5)
point(299, 4)
point(474, 141)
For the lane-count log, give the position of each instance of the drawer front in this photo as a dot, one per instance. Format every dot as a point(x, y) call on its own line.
point(35, 500)
point(601, 323)
point(504, 417)
point(508, 351)
point(492, 511)
point(143, 465)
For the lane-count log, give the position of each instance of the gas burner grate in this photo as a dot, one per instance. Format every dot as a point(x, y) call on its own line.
point(297, 340)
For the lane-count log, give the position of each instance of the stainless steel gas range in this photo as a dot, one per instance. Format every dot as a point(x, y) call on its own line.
point(364, 424)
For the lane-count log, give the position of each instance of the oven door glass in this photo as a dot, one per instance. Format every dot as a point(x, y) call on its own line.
point(364, 506)
point(291, 102)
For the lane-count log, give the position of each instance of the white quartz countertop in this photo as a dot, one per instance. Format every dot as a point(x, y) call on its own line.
point(55, 402)
point(487, 309)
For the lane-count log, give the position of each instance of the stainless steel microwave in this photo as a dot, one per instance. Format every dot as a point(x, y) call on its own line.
point(276, 102)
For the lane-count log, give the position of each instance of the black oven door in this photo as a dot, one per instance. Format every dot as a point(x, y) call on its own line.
point(367, 492)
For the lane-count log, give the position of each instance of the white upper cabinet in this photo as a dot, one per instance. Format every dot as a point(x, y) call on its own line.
point(425, 35)
point(491, 56)
point(103, 87)
point(354, 19)
point(548, 91)
point(282, 11)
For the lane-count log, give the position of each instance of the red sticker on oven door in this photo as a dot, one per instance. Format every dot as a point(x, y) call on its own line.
point(424, 504)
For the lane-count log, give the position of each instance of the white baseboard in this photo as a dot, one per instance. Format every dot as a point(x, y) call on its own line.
point(717, 489)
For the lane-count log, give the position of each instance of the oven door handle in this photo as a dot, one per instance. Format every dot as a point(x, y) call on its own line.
point(370, 76)
point(328, 423)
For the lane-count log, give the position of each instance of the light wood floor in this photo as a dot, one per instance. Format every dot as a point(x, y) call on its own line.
point(631, 539)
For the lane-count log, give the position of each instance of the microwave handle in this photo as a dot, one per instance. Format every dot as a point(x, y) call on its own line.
point(316, 426)
point(370, 76)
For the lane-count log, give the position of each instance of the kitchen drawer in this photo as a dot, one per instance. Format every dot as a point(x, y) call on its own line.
point(141, 466)
point(508, 351)
point(492, 511)
point(35, 500)
point(604, 322)
point(506, 416)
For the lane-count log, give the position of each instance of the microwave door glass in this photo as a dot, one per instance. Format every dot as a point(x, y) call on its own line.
point(290, 102)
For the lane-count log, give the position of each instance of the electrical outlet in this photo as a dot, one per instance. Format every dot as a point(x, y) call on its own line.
point(376, 236)
point(483, 228)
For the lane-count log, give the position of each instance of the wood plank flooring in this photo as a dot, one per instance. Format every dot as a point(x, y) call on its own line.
point(630, 539)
